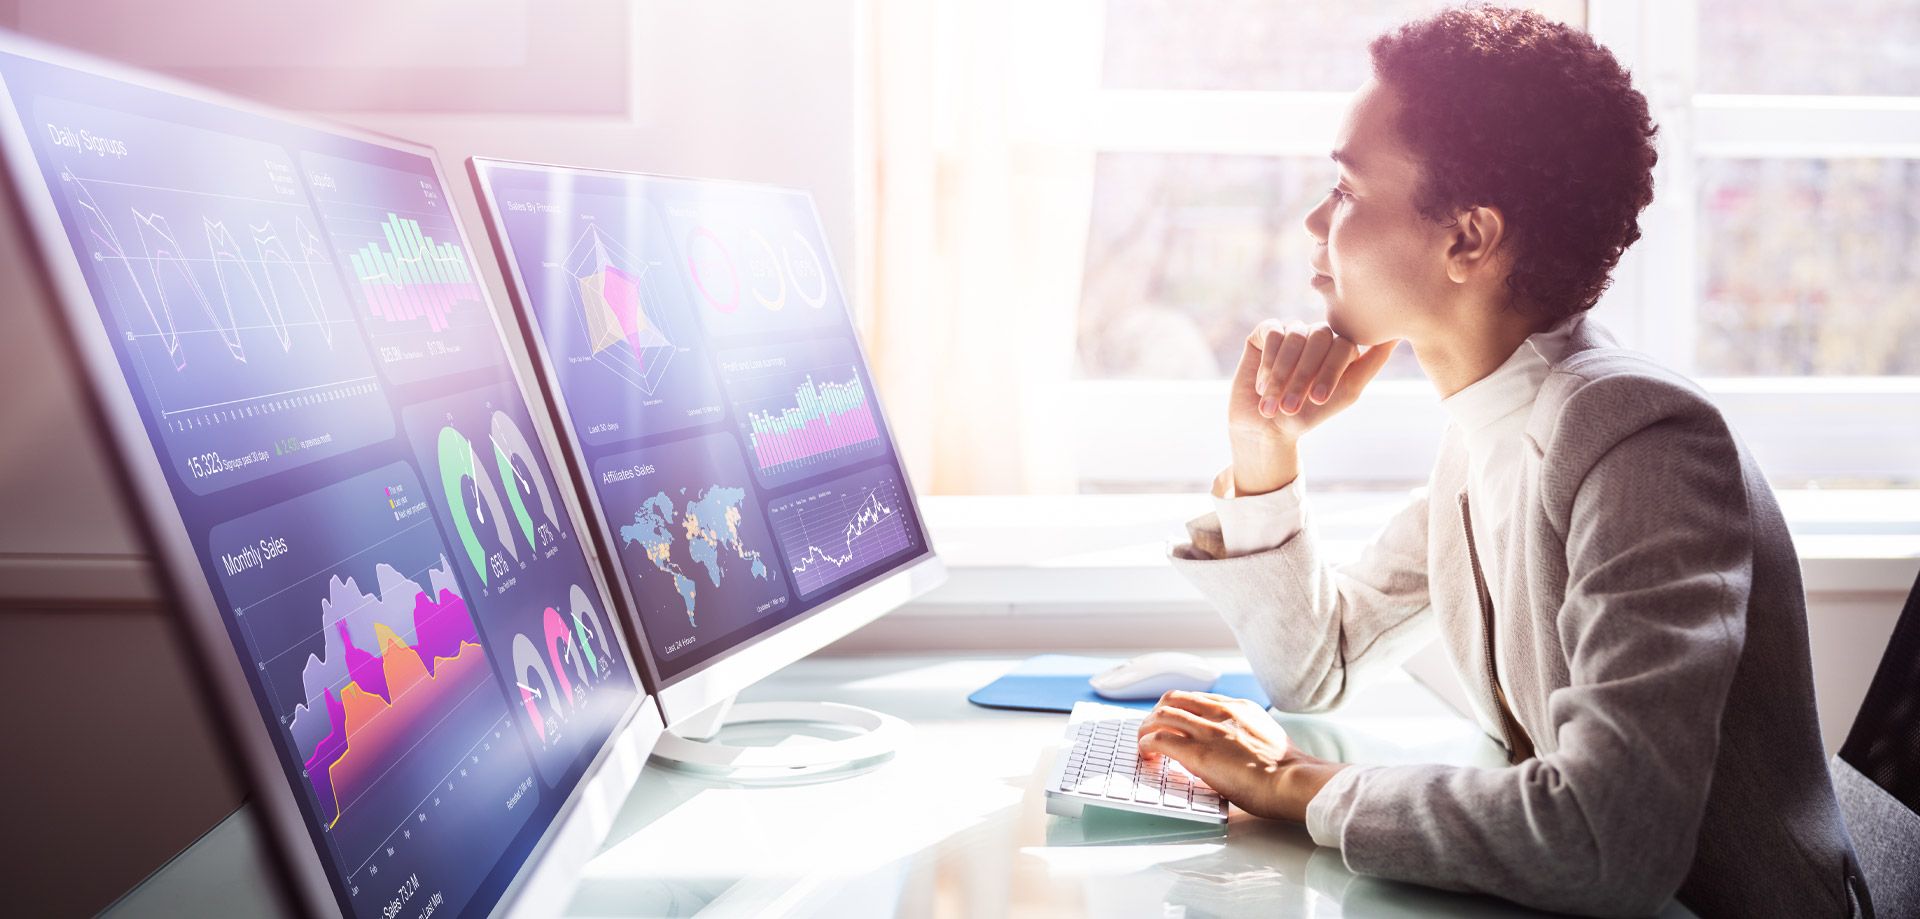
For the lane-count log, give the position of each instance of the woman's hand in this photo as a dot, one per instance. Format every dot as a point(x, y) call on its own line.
point(1291, 377)
point(1237, 748)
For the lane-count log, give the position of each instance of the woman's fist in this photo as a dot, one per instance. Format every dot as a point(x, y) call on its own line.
point(1292, 376)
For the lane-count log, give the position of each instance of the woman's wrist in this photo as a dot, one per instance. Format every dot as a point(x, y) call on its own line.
point(1301, 777)
point(1263, 464)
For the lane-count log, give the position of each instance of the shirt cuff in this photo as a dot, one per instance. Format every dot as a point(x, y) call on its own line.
point(1256, 523)
point(1327, 812)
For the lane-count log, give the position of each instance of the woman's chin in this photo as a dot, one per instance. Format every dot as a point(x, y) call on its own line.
point(1355, 329)
point(1341, 324)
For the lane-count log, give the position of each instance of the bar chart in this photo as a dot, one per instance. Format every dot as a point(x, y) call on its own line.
point(413, 277)
point(802, 409)
point(407, 266)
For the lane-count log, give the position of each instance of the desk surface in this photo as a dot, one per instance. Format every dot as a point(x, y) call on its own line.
point(955, 824)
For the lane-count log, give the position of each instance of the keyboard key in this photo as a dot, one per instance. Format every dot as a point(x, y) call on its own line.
point(1119, 786)
point(1146, 795)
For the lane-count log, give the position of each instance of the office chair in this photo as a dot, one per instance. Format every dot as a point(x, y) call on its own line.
point(1877, 772)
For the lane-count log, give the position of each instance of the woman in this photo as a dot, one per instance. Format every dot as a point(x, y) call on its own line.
point(1606, 567)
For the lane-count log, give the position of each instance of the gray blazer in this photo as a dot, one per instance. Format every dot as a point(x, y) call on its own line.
point(1658, 695)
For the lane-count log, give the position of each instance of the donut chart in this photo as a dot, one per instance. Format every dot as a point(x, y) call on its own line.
point(556, 672)
point(537, 692)
point(807, 271)
point(765, 266)
point(462, 474)
point(522, 478)
point(706, 248)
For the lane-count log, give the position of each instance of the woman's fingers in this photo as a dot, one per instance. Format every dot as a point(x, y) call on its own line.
point(1205, 704)
point(1179, 721)
point(1338, 359)
point(1258, 337)
point(1315, 351)
point(1288, 347)
point(1271, 335)
point(1295, 365)
point(1362, 371)
point(1169, 744)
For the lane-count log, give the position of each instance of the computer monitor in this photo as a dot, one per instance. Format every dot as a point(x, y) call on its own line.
point(715, 406)
point(343, 485)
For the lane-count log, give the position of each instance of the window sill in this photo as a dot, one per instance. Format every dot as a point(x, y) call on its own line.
point(1105, 554)
point(1072, 555)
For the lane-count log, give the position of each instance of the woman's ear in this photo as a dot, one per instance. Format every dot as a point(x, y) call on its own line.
point(1473, 242)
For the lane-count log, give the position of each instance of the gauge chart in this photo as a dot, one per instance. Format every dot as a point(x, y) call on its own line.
point(540, 611)
point(494, 487)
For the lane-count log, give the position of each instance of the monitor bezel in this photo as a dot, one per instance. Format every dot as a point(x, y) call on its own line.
point(712, 682)
point(138, 474)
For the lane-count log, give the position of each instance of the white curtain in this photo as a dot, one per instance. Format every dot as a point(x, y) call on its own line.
point(980, 177)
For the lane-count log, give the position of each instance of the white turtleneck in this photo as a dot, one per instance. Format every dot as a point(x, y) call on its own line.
point(1491, 416)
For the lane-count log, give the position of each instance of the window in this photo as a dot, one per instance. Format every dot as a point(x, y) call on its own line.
point(1810, 267)
point(1186, 252)
point(1867, 48)
point(1780, 264)
point(1211, 45)
point(1135, 172)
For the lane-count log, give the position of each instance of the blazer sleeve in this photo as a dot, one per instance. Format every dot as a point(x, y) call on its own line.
point(1309, 628)
point(1659, 554)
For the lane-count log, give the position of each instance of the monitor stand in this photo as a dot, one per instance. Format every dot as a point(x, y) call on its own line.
point(855, 739)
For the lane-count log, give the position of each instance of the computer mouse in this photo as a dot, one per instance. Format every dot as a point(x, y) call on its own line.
point(1150, 675)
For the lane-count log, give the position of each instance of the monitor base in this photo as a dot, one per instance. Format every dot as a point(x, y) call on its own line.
point(870, 738)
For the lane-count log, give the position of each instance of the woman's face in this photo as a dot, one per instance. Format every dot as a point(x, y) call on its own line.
point(1379, 263)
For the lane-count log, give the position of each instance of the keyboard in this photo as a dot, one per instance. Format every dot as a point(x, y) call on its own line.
point(1102, 767)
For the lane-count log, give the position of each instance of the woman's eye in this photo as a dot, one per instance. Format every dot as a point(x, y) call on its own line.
point(1337, 194)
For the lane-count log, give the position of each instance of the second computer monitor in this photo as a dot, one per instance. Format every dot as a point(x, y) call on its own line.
point(717, 411)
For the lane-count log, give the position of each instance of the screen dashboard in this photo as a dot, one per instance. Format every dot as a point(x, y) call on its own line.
point(313, 357)
point(712, 393)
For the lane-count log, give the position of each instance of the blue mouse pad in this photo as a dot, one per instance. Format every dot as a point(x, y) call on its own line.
point(1053, 682)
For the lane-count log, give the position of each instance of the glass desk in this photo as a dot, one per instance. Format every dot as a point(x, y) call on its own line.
point(955, 825)
point(952, 826)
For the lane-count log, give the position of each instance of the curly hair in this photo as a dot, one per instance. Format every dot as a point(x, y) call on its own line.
point(1511, 110)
